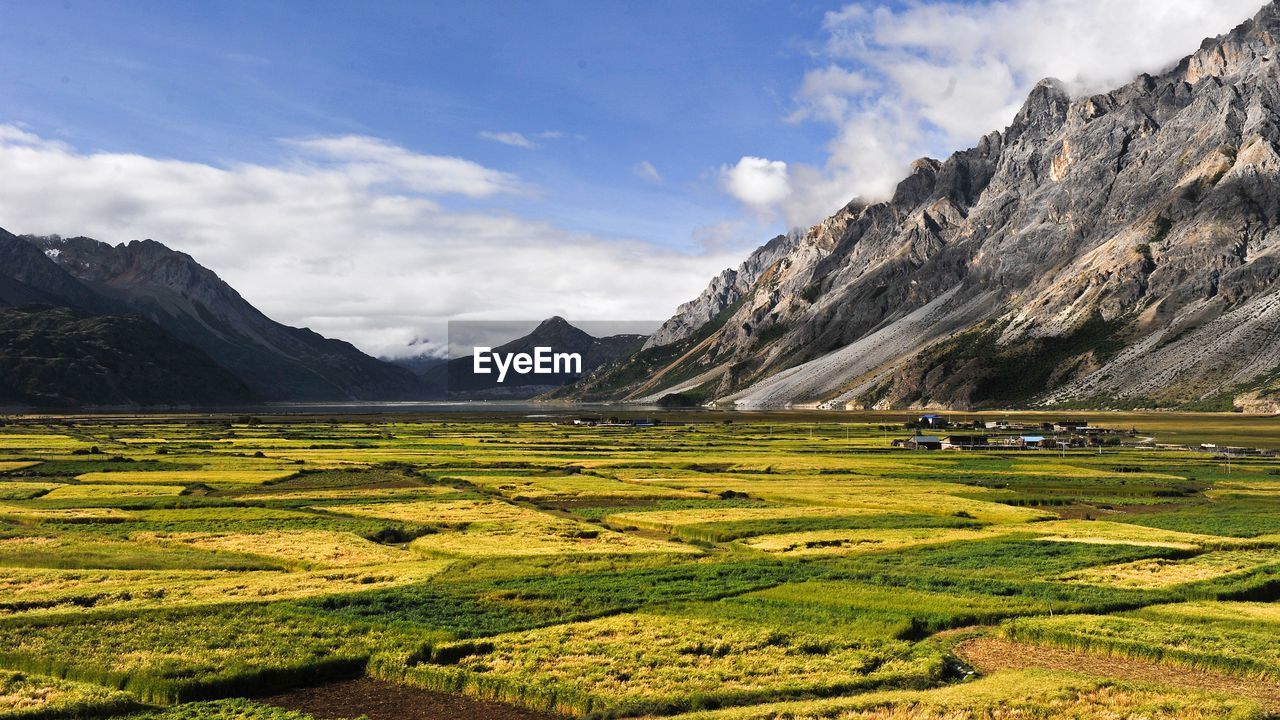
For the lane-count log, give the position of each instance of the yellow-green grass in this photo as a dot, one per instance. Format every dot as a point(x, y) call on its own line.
point(899, 497)
point(41, 591)
point(517, 538)
point(24, 490)
point(9, 465)
point(1163, 573)
point(94, 491)
point(28, 697)
point(1251, 487)
point(645, 663)
point(41, 443)
point(222, 514)
point(31, 514)
point(176, 655)
point(186, 477)
point(1010, 695)
point(72, 551)
point(1113, 533)
point(334, 494)
point(669, 520)
point(534, 487)
point(1237, 638)
point(440, 512)
point(491, 528)
point(853, 542)
point(307, 548)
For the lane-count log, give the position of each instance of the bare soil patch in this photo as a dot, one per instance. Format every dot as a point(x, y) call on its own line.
point(991, 654)
point(379, 700)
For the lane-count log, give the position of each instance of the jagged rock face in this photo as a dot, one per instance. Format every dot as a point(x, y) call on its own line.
point(726, 289)
point(194, 305)
point(1119, 249)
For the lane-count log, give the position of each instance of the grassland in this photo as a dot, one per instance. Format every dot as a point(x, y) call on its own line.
point(719, 566)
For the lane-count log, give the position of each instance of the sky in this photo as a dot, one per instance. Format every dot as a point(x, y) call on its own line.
point(373, 170)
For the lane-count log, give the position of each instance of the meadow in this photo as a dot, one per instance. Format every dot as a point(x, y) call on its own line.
point(716, 565)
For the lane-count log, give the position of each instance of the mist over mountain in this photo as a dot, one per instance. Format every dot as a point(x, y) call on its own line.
point(1115, 250)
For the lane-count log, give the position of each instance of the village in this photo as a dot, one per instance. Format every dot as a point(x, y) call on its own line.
point(1056, 435)
point(939, 432)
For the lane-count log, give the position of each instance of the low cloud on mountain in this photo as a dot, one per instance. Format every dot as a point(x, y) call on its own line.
point(900, 82)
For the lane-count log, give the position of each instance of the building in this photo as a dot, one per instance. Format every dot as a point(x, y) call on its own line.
point(1031, 441)
point(965, 442)
point(934, 421)
point(1069, 426)
point(920, 442)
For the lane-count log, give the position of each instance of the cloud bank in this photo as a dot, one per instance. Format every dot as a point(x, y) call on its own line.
point(897, 82)
point(352, 236)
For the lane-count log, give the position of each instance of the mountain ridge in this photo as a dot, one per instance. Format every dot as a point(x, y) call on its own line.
point(278, 362)
point(207, 322)
point(1116, 249)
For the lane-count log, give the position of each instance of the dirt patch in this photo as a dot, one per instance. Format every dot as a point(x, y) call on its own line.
point(991, 654)
point(379, 700)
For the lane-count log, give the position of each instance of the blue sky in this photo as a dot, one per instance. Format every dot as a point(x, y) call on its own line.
point(374, 170)
point(683, 86)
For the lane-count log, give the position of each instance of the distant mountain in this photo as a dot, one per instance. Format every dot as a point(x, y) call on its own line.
point(555, 333)
point(146, 282)
point(64, 357)
point(420, 365)
point(1113, 250)
point(191, 303)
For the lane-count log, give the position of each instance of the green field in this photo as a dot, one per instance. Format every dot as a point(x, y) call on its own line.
point(717, 565)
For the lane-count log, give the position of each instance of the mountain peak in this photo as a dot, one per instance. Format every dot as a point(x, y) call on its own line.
point(194, 305)
point(555, 322)
point(1119, 248)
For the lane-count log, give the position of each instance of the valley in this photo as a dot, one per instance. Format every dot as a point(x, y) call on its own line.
point(706, 565)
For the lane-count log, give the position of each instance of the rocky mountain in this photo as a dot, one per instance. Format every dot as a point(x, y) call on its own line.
point(188, 304)
point(556, 333)
point(191, 303)
point(60, 357)
point(1112, 250)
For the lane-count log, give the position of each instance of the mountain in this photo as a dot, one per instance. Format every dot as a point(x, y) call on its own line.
point(192, 304)
point(64, 357)
point(1113, 250)
point(28, 275)
point(555, 333)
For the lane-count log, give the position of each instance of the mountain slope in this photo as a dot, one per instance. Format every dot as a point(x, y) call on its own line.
point(1113, 250)
point(194, 305)
point(63, 357)
point(29, 275)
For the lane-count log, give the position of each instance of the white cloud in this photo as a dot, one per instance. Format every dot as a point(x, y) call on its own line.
point(520, 140)
point(826, 93)
point(646, 171)
point(373, 162)
point(927, 78)
point(757, 182)
point(349, 236)
point(514, 139)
